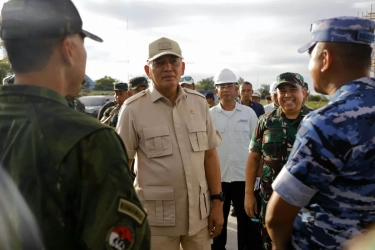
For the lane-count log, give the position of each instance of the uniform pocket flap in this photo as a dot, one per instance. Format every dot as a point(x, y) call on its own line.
point(155, 132)
point(203, 186)
point(158, 193)
point(196, 126)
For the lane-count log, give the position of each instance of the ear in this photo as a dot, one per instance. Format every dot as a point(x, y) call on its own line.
point(216, 91)
point(183, 68)
point(147, 70)
point(327, 59)
point(66, 49)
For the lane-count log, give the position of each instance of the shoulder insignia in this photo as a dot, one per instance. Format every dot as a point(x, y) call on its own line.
point(136, 96)
point(190, 91)
point(130, 209)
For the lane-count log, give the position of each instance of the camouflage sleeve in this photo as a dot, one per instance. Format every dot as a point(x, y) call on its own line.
point(109, 213)
point(257, 138)
point(312, 164)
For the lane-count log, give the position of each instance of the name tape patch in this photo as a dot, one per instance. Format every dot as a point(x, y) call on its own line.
point(130, 209)
point(164, 46)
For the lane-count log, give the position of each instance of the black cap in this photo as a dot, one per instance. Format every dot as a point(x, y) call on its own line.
point(137, 81)
point(121, 86)
point(48, 19)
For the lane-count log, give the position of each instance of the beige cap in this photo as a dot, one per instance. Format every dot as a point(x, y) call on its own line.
point(163, 46)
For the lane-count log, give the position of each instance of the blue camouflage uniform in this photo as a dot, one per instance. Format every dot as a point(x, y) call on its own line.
point(331, 171)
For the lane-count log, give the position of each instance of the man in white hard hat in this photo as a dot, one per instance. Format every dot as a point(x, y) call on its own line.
point(256, 96)
point(177, 167)
point(187, 82)
point(273, 93)
point(235, 123)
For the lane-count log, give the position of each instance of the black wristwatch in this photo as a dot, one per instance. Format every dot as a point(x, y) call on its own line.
point(219, 196)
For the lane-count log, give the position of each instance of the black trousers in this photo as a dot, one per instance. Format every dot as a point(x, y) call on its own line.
point(234, 192)
point(254, 237)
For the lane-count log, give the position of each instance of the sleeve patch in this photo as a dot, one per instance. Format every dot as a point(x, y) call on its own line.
point(132, 210)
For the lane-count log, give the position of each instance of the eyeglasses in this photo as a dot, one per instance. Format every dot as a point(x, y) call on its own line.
point(224, 86)
point(186, 78)
point(174, 61)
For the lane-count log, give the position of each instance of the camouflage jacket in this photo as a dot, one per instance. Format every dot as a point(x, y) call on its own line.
point(76, 104)
point(72, 171)
point(332, 169)
point(113, 121)
point(273, 138)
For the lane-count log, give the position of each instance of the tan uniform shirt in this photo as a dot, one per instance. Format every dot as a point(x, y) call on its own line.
point(170, 142)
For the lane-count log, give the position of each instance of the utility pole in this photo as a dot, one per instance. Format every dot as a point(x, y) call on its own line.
point(371, 15)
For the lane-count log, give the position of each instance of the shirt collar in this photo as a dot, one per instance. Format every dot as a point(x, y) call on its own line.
point(155, 94)
point(237, 107)
point(31, 90)
point(361, 83)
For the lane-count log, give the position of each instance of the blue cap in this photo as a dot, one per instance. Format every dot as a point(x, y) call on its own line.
point(341, 30)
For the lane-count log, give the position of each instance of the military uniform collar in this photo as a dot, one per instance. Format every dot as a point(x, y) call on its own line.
point(155, 94)
point(30, 90)
point(353, 85)
point(304, 111)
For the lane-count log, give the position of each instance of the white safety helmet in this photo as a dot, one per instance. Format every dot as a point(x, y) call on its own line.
point(225, 76)
point(273, 88)
point(256, 93)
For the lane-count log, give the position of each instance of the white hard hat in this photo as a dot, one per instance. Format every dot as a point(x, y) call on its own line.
point(186, 79)
point(225, 76)
point(256, 93)
point(273, 88)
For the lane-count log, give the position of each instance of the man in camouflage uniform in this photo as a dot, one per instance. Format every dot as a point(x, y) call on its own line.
point(137, 84)
point(272, 141)
point(122, 93)
point(330, 172)
point(71, 169)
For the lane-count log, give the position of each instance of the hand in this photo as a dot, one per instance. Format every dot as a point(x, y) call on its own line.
point(216, 219)
point(251, 206)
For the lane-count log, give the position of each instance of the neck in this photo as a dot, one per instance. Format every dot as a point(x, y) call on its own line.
point(246, 102)
point(170, 94)
point(341, 80)
point(53, 80)
point(228, 106)
point(292, 114)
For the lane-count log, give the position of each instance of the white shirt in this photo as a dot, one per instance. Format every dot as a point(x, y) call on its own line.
point(269, 107)
point(236, 130)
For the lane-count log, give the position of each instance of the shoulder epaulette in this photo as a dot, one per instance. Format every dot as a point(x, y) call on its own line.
point(136, 96)
point(190, 91)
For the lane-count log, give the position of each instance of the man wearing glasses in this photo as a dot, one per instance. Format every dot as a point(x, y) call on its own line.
point(235, 123)
point(177, 167)
point(272, 141)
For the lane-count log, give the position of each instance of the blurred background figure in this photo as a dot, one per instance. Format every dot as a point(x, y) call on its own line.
point(18, 229)
point(187, 82)
point(210, 99)
point(256, 96)
point(137, 84)
point(273, 96)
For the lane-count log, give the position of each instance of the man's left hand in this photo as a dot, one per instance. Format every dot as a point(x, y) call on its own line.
point(216, 219)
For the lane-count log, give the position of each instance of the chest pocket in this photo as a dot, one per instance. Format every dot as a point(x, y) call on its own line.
point(242, 132)
point(197, 135)
point(157, 141)
point(274, 142)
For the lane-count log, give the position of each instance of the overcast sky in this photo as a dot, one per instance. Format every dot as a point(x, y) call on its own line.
point(257, 39)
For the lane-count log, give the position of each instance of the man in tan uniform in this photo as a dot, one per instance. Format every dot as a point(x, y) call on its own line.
point(177, 168)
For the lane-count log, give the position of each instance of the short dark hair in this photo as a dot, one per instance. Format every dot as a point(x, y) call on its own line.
point(247, 83)
point(352, 55)
point(28, 55)
point(210, 95)
point(268, 97)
